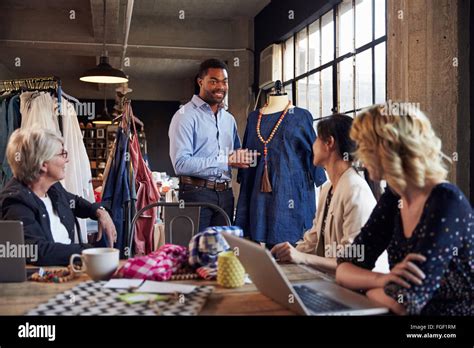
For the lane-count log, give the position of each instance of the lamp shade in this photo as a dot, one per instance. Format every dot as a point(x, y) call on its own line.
point(104, 73)
point(102, 119)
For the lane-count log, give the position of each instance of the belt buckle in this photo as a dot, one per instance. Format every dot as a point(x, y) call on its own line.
point(212, 186)
point(224, 186)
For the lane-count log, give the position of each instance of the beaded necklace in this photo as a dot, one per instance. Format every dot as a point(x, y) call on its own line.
point(54, 276)
point(266, 185)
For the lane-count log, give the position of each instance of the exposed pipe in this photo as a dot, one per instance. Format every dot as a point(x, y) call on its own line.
point(128, 20)
point(34, 42)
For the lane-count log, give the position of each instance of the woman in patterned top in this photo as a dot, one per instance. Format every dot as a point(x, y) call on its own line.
point(422, 220)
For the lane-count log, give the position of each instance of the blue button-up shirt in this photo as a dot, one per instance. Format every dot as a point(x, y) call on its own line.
point(200, 142)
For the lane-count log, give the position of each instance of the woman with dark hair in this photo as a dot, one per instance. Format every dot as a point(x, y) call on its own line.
point(345, 201)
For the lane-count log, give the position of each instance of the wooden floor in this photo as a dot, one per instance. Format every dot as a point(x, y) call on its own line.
point(19, 298)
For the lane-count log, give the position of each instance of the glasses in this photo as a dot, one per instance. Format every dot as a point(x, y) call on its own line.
point(63, 154)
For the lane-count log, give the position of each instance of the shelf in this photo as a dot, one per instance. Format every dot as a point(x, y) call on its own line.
point(93, 128)
point(97, 149)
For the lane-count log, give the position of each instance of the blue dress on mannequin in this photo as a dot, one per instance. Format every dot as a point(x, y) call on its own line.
point(284, 214)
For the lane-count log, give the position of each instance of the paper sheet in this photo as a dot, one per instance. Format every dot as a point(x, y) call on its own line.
point(123, 283)
point(165, 287)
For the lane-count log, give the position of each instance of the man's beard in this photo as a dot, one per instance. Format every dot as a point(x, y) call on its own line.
point(215, 97)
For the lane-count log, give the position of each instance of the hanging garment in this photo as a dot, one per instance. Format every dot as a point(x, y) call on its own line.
point(13, 123)
point(116, 192)
point(284, 214)
point(78, 179)
point(37, 111)
point(109, 162)
point(147, 193)
point(3, 135)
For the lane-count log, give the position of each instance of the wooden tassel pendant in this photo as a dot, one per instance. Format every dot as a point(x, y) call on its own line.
point(266, 185)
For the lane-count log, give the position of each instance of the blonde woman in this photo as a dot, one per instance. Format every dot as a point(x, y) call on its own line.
point(422, 220)
point(35, 197)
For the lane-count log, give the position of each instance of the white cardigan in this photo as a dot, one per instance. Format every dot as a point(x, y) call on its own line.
point(351, 205)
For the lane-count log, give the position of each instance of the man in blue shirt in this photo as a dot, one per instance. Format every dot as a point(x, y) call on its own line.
point(204, 145)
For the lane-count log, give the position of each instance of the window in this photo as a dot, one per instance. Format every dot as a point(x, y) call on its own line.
point(379, 18)
point(380, 73)
point(314, 95)
point(363, 15)
point(314, 45)
point(326, 87)
point(346, 28)
point(327, 39)
point(363, 63)
point(346, 85)
point(302, 93)
point(338, 62)
point(301, 52)
point(288, 60)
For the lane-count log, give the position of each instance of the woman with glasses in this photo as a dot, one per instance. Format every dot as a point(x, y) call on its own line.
point(36, 197)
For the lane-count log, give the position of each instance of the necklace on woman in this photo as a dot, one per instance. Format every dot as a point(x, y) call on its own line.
point(266, 185)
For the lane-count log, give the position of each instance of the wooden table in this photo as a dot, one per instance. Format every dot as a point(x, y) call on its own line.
point(19, 298)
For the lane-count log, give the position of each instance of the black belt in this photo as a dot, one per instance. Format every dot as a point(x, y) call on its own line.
point(212, 185)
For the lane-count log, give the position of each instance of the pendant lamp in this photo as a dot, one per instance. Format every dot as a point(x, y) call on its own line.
point(104, 117)
point(104, 72)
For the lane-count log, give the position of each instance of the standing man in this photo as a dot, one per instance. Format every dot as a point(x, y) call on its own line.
point(204, 145)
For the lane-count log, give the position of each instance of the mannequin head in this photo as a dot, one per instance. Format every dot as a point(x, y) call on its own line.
point(213, 81)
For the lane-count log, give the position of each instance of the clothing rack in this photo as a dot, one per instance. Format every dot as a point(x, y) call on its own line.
point(36, 83)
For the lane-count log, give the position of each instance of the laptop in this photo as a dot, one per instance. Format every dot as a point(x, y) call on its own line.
point(12, 252)
point(316, 297)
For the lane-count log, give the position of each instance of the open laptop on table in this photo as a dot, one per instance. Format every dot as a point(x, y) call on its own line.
point(12, 247)
point(316, 297)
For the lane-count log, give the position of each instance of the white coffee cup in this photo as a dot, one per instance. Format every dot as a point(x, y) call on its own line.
point(98, 263)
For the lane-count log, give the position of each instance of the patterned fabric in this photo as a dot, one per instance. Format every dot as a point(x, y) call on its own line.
point(92, 298)
point(204, 247)
point(159, 265)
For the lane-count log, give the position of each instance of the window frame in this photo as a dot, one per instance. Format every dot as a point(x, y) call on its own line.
point(336, 60)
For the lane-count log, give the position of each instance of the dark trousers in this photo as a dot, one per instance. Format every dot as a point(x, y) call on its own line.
point(209, 217)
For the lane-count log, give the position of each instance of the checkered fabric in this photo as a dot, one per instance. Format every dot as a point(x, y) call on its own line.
point(92, 298)
point(204, 247)
point(158, 265)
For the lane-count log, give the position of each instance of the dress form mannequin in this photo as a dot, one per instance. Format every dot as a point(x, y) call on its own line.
point(284, 171)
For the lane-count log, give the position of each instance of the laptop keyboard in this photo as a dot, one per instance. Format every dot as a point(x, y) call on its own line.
point(318, 302)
